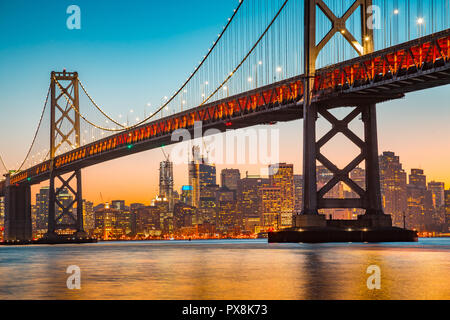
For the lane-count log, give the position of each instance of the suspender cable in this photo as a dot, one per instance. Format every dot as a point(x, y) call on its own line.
point(37, 130)
point(247, 55)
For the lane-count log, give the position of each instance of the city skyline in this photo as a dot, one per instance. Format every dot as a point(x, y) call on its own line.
point(228, 199)
point(182, 171)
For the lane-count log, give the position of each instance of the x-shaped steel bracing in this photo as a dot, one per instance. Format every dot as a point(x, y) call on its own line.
point(340, 175)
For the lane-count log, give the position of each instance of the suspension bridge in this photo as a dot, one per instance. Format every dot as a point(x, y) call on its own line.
point(273, 61)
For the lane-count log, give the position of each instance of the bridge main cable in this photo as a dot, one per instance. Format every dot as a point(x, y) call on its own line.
point(124, 128)
point(37, 130)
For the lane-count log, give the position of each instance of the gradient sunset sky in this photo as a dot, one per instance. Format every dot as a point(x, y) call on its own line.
point(134, 52)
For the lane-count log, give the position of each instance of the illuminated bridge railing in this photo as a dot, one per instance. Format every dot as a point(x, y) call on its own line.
point(396, 62)
point(405, 59)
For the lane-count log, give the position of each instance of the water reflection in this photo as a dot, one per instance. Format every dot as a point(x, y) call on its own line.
point(244, 269)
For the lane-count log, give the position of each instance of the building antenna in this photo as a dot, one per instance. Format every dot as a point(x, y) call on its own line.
point(166, 156)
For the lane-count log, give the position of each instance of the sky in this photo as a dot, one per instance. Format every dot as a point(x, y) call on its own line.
point(131, 52)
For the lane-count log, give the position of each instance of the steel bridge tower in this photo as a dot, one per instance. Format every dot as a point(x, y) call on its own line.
point(60, 215)
point(313, 199)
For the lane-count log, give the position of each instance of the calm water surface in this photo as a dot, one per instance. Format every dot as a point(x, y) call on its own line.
point(227, 269)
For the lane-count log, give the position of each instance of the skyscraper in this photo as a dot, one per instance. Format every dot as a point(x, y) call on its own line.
point(393, 187)
point(186, 194)
point(281, 175)
point(419, 200)
point(42, 208)
point(271, 208)
point(88, 215)
point(437, 190)
point(229, 178)
point(201, 174)
point(447, 209)
point(248, 195)
point(298, 193)
point(228, 218)
point(166, 181)
point(2, 217)
point(118, 204)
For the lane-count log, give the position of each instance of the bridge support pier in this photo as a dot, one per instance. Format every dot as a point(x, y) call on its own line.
point(17, 212)
point(60, 211)
point(369, 196)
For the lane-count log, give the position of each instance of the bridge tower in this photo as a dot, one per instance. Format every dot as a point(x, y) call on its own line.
point(370, 198)
point(64, 106)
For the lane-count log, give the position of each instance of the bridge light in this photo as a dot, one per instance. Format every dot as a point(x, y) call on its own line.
point(130, 146)
point(343, 31)
point(420, 21)
point(367, 38)
point(396, 11)
point(260, 62)
point(249, 79)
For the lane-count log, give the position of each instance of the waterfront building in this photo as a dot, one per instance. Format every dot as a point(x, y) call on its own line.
point(229, 178)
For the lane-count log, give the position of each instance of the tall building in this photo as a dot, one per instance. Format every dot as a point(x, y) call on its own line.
point(447, 209)
point(393, 187)
point(229, 178)
point(148, 221)
point(183, 216)
point(271, 208)
point(249, 197)
point(118, 204)
point(208, 206)
point(88, 215)
point(228, 219)
point(419, 201)
point(437, 190)
point(281, 175)
point(42, 208)
point(166, 181)
point(111, 223)
point(298, 193)
point(2, 217)
point(201, 174)
point(186, 194)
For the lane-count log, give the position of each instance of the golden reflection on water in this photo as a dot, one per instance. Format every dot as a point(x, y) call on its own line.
point(251, 269)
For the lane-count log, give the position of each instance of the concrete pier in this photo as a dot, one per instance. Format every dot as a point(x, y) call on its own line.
point(368, 228)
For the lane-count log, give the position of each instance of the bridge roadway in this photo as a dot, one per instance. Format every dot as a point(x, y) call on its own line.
point(380, 76)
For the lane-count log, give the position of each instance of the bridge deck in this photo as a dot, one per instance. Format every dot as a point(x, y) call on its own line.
point(380, 76)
